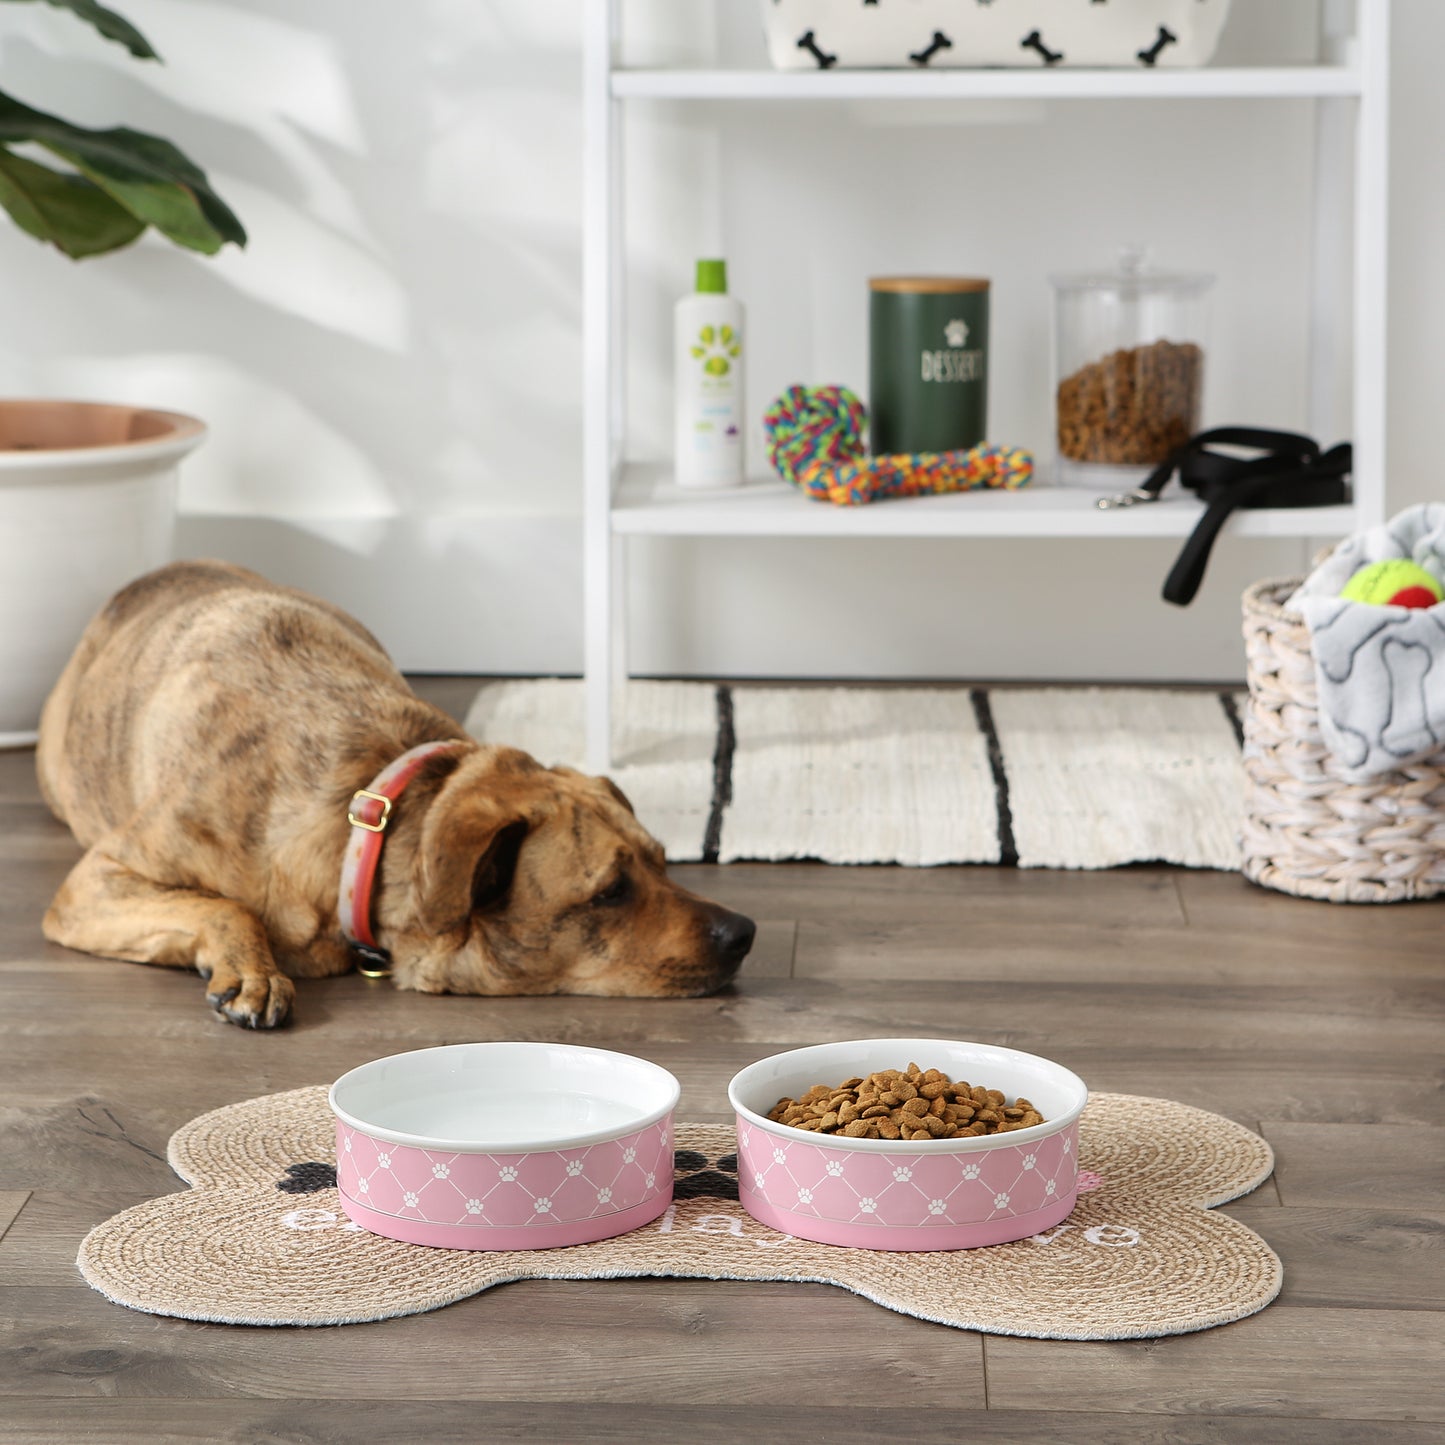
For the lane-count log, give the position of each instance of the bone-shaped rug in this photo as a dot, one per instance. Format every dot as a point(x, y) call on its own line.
point(260, 1238)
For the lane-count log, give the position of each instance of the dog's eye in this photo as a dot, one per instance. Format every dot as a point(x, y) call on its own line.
point(614, 892)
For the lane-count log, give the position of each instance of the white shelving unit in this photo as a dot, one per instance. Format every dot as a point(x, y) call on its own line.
point(623, 499)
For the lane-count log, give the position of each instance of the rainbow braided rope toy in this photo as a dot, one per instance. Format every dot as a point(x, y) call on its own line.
point(815, 438)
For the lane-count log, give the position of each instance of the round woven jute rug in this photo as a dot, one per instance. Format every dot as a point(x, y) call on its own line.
point(260, 1238)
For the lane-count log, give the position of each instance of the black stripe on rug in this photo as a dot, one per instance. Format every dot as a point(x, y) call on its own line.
point(1231, 711)
point(1008, 853)
point(722, 775)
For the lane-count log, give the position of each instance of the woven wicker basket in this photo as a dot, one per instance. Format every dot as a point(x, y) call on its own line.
point(1306, 830)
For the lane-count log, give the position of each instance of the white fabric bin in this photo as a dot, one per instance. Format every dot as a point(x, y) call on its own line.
point(910, 34)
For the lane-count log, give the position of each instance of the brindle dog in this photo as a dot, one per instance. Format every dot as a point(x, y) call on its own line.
point(204, 743)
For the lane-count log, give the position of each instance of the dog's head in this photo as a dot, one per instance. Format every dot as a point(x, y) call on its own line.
point(533, 880)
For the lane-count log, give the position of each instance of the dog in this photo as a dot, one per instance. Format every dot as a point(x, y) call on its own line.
point(215, 745)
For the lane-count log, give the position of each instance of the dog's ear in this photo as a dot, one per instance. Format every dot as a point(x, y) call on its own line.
point(467, 859)
point(609, 786)
point(597, 785)
point(492, 877)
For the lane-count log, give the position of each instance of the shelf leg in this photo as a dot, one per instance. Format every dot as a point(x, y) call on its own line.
point(599, 660)
point(1330, 322)
point(617, 642)
point(601, 235)
point(1372, 201)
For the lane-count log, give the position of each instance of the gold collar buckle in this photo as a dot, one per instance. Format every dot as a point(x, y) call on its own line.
point(380, 824)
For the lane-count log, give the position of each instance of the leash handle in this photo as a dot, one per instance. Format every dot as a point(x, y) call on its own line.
point(1317, 479)
point(1187, 573)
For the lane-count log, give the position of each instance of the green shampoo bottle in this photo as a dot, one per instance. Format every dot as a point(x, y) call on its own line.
point(708, 379)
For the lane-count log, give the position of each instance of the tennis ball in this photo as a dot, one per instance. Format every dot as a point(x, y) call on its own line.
point(1398, 582)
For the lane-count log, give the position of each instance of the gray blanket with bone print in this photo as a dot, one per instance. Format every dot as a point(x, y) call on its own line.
point(1380, 670)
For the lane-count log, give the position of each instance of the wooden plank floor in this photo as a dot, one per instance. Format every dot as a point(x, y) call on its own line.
point(1319, 1026)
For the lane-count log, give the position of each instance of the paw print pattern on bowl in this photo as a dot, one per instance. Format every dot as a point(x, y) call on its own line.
point(922, 1193)
point(548, 1191)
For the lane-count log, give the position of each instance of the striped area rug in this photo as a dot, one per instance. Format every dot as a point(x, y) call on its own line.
point(1033, 777)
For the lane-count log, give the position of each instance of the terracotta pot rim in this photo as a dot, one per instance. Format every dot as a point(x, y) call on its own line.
point(178, 433)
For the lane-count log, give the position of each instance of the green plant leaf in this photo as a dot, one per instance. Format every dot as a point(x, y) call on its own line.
point(109, 24)
point(148, 176)
point(70, 212)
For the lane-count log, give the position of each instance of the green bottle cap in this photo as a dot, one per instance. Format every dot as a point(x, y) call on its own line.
point(712, 277)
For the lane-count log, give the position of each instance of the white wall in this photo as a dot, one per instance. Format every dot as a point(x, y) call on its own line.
point(392, 368)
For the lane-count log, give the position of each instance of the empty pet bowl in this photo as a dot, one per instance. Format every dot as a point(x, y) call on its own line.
point(876, 1194)
point(504, 1146)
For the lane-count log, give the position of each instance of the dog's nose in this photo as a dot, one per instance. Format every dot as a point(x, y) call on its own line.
point(732, 935)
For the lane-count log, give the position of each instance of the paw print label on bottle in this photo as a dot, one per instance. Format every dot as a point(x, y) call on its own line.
point(708, 381)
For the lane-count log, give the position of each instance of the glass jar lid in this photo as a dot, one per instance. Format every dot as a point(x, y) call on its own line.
point(1134, 277)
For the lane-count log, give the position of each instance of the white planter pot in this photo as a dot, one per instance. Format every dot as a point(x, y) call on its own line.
point(87, 503)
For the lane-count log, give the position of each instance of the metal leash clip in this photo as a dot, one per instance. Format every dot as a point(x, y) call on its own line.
point(1126, 499)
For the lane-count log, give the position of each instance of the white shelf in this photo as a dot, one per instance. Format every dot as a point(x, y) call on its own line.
point(1346, 260)
point(1261, 82)
point(649, 503)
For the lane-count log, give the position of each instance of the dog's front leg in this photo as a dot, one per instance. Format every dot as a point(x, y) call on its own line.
point(103, 907)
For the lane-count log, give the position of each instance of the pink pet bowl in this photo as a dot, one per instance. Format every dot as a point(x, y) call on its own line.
point(504, 1146)
point(939, 1194)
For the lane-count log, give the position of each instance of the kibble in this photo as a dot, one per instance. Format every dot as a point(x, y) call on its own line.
point(910, 1104)
point(1132, 407)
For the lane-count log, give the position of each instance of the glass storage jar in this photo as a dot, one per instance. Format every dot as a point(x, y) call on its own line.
point(1128, 370)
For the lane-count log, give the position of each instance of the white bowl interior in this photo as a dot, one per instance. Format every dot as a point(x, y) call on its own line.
point(504, 1096)
point(1057, 1093)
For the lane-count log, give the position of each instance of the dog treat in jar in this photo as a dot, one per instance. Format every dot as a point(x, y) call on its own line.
point(1128, 370)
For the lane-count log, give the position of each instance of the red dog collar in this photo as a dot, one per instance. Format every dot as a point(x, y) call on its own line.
point(368, 813)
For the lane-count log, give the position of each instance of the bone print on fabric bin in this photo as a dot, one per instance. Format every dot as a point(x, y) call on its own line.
point(909, 34)
point(242, 1246)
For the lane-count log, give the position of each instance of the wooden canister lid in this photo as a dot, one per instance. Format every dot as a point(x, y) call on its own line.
point(941, 285)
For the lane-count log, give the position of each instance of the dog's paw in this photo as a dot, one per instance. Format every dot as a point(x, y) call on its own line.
point(250, 1000)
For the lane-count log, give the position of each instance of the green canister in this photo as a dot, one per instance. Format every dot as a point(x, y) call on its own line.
point(927, 363)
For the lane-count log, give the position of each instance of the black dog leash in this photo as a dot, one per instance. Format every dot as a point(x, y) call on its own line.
point(1291, 471)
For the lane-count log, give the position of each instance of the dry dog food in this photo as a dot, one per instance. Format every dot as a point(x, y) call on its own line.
point(909, 1104)
point(1132, 407)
